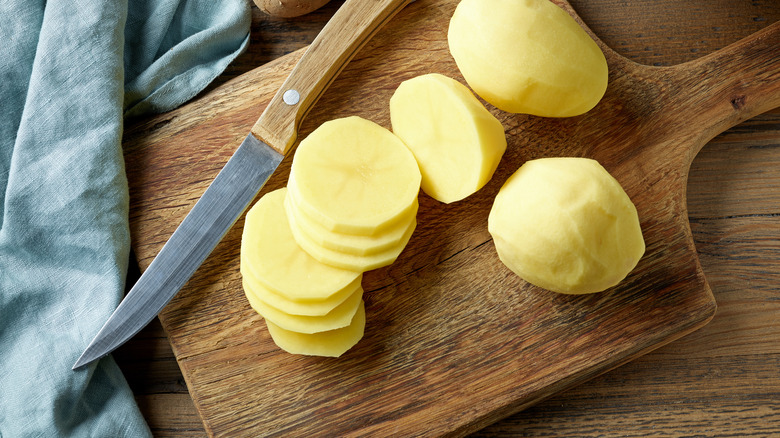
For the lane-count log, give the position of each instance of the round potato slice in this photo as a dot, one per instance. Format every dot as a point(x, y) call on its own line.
point(281, 302)
point(354, 176)
point(356, 244)
point(457, 142)
point(274, 257)
point(339, 317)
point(332, 343)
point(344, 260)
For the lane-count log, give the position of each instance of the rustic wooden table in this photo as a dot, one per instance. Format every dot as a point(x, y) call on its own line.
point(723, 380)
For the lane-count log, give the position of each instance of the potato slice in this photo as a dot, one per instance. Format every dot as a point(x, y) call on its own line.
point(340, 316)
point(273, 256)
point(566, 225)
point(527, 56)
point(344, 260)
point(293, 307)
point(356, 244)
point(456, 141)
point(332, 343)
point(354, 176)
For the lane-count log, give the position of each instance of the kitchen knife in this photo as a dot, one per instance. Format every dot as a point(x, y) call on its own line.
point(245, 173)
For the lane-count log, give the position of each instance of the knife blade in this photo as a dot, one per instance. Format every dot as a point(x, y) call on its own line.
point(243, 176)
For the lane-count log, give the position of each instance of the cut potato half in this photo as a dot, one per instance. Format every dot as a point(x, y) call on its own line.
point(355, 244)
point(281, 302)
point(339, 317)
point(354, 176)
point(332, 343)
point(457, 142)
point(274, 257)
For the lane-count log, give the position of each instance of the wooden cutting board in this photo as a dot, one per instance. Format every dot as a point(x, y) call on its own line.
point(454, 341)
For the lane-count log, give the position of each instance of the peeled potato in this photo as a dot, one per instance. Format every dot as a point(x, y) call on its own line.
point(294, 307)
point(566, 225)
point(269, 250)
point(456, 141)
point(355, 244)
point(340, 316)
point(345, 260)
point(332, 343)
point(527, 56)
point(353, 176)
point(289, 8)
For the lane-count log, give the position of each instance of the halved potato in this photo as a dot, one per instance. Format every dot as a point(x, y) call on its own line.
point(457, 142)
point(332, 343)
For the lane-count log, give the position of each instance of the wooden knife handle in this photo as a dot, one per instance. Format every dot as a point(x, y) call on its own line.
point(351, 26)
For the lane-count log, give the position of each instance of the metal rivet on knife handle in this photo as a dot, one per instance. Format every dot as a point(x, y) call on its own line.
point(352, 25)
point(291, 97)
point(245, 173)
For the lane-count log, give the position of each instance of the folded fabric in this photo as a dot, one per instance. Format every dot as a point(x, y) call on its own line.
point(69, 73)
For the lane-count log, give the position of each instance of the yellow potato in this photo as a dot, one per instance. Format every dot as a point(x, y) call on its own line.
point(527, 56)
point(294, 307)
point(339, 317)
point(271, 253)
point(456, 141)
point(353, 176)
point(356, 244)
point(566, 225)
point(345, 260)
point(332, 343)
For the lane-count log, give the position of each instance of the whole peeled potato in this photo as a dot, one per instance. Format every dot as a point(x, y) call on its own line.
point(566, 225)
point(289, 8)
point(527, 56)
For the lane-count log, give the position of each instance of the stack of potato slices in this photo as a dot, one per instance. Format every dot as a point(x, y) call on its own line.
point(309, 307)
point(352, 199)
point(350, 206)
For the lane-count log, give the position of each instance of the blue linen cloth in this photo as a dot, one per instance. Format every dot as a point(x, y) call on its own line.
point(70, 72)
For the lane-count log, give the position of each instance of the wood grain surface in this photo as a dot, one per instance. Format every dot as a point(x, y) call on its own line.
point(343, 36)
point(735, 233)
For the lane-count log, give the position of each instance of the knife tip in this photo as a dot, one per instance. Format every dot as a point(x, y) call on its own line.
point(86, 358)
point(79, 363)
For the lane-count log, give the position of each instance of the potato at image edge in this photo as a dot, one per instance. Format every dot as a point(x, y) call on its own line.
point(527, 56)
point(289, 8)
